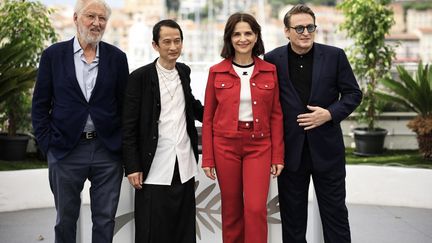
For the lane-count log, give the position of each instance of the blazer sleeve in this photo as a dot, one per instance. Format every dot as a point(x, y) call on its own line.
point(130, 124)
point(122, 79)
point(198, 110)
point(197, 107)
point(350, 93)
point(210, 105)
point(276, 126)
point(42, 103)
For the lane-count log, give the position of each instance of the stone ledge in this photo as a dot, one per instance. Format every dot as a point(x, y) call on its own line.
point(376, 185)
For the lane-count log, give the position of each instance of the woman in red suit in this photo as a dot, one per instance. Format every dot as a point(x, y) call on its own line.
point(243, 130)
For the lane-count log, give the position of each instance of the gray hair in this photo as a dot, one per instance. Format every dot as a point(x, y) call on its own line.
point(80, 5)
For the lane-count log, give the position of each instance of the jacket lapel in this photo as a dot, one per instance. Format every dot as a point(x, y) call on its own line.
point(155, 84)
point(316, 69)
point(182, 75)
point(69, 68)
point(259, 67)
point(284, 72)
point(226, 67)
point(102, 67)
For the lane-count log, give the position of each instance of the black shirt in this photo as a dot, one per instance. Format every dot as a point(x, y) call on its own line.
point(300, 72)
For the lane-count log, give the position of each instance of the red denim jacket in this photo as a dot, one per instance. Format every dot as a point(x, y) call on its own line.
point(221, 107)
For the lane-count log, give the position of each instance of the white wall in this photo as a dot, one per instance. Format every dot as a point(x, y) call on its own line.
point(376, 185)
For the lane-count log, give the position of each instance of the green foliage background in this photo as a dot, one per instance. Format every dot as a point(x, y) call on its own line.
point(367, 22)
point(25, 30)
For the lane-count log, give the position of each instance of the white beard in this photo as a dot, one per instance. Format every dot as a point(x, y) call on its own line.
point(88, 37)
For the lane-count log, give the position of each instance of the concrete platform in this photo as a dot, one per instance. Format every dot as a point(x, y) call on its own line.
point(386, 204)
point(369, 224)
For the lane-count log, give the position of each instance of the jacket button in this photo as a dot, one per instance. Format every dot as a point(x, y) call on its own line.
point(262, 134)
point(253, 136)
point(150, 154)
point(253, 84)
point(154, 137)
point(223, 85)
point(266, 86)
point(254, 102)
point(257, 120)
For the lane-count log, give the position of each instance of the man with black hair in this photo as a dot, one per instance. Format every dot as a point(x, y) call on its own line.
point(317, 91)
point(160, 142)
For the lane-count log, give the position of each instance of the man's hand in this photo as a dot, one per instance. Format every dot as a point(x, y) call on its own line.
point(210, 172)
point(316, 118)
point(136, 179)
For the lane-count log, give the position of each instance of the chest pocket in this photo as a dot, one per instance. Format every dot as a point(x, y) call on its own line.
point(225, 92)
point(266, 86)
point(223, 84)
point(265, 92)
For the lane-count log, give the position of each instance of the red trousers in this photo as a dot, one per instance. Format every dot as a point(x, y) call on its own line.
point(243, 172)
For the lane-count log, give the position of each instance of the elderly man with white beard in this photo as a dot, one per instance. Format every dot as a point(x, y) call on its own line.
point(76, 117)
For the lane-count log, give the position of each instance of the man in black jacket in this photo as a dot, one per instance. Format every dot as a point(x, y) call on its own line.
point(317, 91)
point(160, 142)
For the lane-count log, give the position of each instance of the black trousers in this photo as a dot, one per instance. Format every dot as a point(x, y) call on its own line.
point(166, 214)
point(293, 200)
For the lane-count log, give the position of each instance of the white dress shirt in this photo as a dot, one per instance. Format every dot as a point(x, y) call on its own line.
point(86, 74)
point(173, 139)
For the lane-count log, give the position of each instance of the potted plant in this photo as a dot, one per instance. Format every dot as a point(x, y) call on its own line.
point(25, 29)
point(366, 23)
point(14, 78)
point(415, 94)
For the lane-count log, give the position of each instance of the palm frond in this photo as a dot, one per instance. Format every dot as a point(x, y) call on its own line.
point(394, 99)
point(14, 76)
point(412, 93)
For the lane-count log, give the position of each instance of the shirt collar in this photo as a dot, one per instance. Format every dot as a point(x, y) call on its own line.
point(307, 54)
point(77, 47)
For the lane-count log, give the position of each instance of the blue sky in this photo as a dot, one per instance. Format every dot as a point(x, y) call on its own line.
point(112, 3)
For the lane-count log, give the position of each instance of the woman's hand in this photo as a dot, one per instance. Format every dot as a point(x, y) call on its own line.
point(276, 169)
point(210, 172)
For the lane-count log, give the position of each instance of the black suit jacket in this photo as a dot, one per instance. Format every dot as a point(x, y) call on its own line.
point(142, 107)
point(60, 110)
point(334, 88)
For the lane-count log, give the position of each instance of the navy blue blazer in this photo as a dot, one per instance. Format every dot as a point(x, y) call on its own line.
point(334, 88)
point(60, 110)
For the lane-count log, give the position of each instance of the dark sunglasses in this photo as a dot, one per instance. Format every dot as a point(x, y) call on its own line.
point(299, 29)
